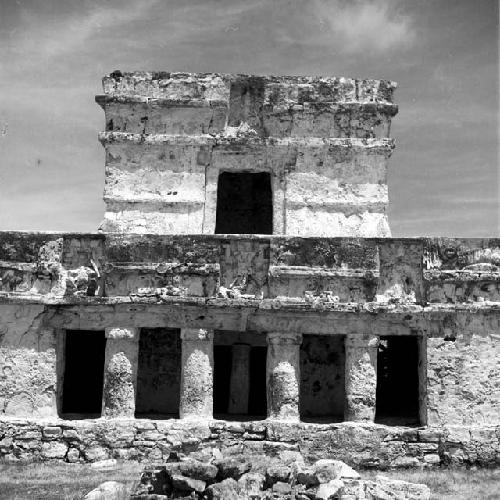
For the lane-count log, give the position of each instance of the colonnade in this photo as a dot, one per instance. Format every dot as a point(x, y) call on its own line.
point(282, 375)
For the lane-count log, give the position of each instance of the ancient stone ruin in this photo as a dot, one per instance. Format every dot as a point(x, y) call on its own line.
point(244, 294)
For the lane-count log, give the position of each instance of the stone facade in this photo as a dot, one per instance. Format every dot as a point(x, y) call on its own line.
point(324, 142)
point(137, 342)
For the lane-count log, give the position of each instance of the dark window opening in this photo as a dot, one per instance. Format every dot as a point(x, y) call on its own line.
point(240, 396)
point(158, 373)
point(397, 381)
point(83, 373)
point(246, 99)
point(322, 382)
point(244, 203)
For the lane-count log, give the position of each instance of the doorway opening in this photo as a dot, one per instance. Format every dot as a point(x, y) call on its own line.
point(158, 373)
point(322, 378)
point(240, 377)
point(244, 203)
point(398, 381)
point(83, 377)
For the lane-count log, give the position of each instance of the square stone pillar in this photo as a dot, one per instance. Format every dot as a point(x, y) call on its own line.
point(240, 379)
point(360, 377)
point(283, 375)
point(197, 374)
point(120, 372)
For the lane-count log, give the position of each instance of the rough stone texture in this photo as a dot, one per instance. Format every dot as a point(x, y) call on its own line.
point(110, 490)
point(324, 141)
point(283, 375)
point(197, 374)
point(360, 377)
point(120, 372)
point(360, 445)
point(459, 380)
point(332, 480)
point(27, 362)
point(463, 379)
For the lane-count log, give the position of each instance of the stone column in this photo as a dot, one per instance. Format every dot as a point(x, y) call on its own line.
point(240, 379)
point(283, 375)
point(360, 377)
point(197, 374)
point(120, 372)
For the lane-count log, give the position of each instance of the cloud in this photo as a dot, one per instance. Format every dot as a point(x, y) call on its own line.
point(366, 25)
point(39, 43)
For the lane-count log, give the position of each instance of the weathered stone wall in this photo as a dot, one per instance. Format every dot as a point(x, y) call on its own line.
point(290, 289)
point(324, 142)
point(463, 379)
point(360, 445)
point(27, 362)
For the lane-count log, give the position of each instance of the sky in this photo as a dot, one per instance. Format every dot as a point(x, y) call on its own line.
point(443, 175)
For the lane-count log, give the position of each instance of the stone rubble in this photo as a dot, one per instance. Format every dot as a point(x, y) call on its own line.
point(248, 478)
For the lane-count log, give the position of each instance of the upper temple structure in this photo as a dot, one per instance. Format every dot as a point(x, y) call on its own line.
point(244, 293)
point(212, 153)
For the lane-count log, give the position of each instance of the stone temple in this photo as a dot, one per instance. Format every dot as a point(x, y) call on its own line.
point(244, 291)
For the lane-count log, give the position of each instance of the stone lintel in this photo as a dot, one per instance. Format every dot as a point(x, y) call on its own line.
point(122, 333)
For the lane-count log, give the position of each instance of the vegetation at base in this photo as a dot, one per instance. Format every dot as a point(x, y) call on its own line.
point(448, 483)
point(42, 481)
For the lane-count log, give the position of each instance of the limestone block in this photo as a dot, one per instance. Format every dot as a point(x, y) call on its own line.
point(109, 490)
point(398, 490)
point(27, 362)
point(180, 218)
point(343, 220)
point(197, 374)
point(401, 271)
point(463, 379)
point(252, 483)
point(163, 116)
point(228, 489)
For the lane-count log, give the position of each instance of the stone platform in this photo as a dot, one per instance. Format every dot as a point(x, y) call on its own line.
point(293, 298)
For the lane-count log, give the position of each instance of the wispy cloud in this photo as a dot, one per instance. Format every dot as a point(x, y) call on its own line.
point(39, 43)
point(360, 25)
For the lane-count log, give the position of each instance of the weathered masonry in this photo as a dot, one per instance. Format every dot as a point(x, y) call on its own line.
point(192, 154)
point(218, 307)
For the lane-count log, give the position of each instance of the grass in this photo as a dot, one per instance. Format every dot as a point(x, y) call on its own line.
point(73, 481)
point(450, 484)
point(42, 481)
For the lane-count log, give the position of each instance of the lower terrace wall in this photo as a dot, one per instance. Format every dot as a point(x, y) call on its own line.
point(360, 445)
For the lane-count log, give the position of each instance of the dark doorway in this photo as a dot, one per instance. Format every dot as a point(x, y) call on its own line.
point(256, 387)
point(244, 203)
point(83, 373)
point(397, 381)
point(257, 402)
point(158, 373)
point(322, 380)
point(222, 376)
